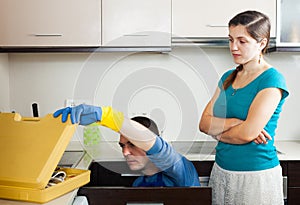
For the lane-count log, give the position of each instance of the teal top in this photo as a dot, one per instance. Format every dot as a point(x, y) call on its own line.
point(235, 104)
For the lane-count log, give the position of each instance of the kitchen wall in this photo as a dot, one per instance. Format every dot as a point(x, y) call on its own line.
point(4, 83)
point(172, 88)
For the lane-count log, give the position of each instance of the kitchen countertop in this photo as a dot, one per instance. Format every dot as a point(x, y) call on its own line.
point(286, 150)
point(195, 151)
point(289, 150)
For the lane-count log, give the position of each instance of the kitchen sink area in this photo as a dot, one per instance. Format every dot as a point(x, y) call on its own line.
point(111, 179)
point(111, 174)
point(71, 158)
point(195, 147)
point(111, 183)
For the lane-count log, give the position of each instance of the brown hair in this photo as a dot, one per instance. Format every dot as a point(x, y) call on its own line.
point(258, 26)
point(147, 122)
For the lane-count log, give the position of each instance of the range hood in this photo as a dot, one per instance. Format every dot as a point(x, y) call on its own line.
point(211, 42)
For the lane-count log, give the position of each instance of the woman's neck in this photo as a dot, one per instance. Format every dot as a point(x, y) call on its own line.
point(250, 71)
point(254, 67)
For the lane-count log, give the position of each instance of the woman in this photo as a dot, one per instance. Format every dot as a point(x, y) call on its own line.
point(242, 115)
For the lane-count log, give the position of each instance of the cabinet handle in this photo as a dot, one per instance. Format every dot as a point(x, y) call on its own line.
point(285, 186)
point(136, 35)
point(130, 175)
point(47, 35)
point(216, 26)
point(141, 203)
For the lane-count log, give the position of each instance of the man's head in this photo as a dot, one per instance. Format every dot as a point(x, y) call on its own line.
point(136, 157)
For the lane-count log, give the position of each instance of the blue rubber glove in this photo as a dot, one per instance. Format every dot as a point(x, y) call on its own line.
point(82, 114)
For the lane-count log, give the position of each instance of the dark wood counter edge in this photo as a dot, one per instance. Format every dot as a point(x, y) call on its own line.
point(203, 167)
point(166, 195)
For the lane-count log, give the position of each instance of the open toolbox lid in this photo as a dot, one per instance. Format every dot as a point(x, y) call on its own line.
point(30, 149)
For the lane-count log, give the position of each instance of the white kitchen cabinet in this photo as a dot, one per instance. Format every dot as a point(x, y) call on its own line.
point(135, 23)
point(46, 23)
point(288, 26)
point(209, 18)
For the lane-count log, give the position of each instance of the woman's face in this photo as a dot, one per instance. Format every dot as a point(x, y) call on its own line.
point(243, 47)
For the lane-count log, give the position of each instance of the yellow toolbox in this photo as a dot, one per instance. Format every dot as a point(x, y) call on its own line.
point(30, 149)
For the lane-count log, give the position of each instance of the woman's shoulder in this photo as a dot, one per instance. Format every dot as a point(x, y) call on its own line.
point(226, 74)
point(273, 78)
point(273, 73)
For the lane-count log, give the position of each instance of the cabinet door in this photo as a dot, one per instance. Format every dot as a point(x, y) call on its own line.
point(293, 196)
point(293, 174)
point(136, 23)
point(50, 23)
point(293, 182)
point(202, 18)
point(288, 23)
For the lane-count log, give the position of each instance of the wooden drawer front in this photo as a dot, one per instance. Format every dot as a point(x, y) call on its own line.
point(138, 195)
point(118, 174)
point(111, 174)
point(293, 196)
point(203, 167)
point(294, 174)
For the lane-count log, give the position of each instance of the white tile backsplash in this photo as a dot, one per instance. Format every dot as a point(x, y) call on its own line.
point(172, 88)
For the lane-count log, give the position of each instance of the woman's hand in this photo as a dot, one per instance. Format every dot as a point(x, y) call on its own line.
point(262, 138)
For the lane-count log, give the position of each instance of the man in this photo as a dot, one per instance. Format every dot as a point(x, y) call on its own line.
point(142, 147)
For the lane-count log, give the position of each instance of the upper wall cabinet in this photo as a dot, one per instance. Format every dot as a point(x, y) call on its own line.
point(37, 23)
point(131, 23)
point(288, 25)
point(202, 18)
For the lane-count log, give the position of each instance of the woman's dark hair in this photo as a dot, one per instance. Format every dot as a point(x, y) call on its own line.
point(150, 124)
point(258, 26)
